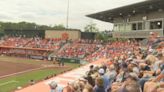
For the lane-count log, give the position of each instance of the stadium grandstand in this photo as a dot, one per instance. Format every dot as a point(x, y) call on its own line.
point(103, 66)
point(47, 44)
point(136, 20)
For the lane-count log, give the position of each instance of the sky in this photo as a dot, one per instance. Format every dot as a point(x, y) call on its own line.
point(51, 12)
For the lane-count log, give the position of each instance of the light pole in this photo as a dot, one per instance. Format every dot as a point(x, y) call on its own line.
point(67, 19)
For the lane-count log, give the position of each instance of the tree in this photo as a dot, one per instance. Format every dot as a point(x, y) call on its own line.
point(27, 26)
point(60, 26)
point(102, 36)
point(91, 28)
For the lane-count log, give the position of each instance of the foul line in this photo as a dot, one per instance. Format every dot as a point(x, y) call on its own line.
point(21, 72)
point(5, 83)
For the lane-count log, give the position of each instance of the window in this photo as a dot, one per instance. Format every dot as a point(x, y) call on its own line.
point(134, 26)
point(140, 26)
point(155, 24)
point(121, 27)
point(116, 27)
point(128, 27)
point(137, 26)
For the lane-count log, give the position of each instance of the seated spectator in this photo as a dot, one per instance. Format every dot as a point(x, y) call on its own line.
point(88, 88)
point(157, 84)
point(111, 76)
point(54, 87)
point(131, 84)
point(99, 86)
point(89, 78)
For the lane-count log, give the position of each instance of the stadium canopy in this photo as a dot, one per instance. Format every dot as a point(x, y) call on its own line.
point(129, 10)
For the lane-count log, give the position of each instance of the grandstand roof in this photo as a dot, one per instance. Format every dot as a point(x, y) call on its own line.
point(129, 10)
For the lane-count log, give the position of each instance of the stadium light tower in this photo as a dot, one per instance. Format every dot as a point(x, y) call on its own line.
point(67, 19)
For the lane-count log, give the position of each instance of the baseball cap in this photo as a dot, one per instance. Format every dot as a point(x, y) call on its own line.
point(53, 84)
point(151, 33)
point(101, 71)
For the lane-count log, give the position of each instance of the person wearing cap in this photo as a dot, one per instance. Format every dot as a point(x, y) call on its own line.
point(104, 77)
point(101, 71)
point(54, 87)
point(151, 33)
point(153, 39)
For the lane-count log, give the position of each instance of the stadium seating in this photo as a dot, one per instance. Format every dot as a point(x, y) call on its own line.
point(19, 46)
point(129, 70)
point(78, 50)
point(128, 66)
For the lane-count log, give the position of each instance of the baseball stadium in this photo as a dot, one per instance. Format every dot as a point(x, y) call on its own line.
point(129, 59)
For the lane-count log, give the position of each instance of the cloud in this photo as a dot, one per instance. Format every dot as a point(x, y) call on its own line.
point(5, 17)
point(28, 16)
point(51, 12)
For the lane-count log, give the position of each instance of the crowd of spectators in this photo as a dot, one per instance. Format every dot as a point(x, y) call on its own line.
point(45, 43)
point(131, 68)
point(112, 49)
point(14, 41)
point(27, 47)
point(137, 74)
point(79, 49)
point(36, 42)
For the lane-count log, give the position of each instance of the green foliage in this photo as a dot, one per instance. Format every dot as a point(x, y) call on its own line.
point(112, 39)
point(91, 28)
point(102, 36)
point(106, 37)
point(122, 39)
point(27, 26)
point(60, 26)
point(99, 36)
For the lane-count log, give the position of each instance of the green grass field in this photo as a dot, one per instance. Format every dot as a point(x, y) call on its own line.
point(11, 83)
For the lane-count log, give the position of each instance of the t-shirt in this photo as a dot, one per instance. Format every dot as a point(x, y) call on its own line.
point(106, 81)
